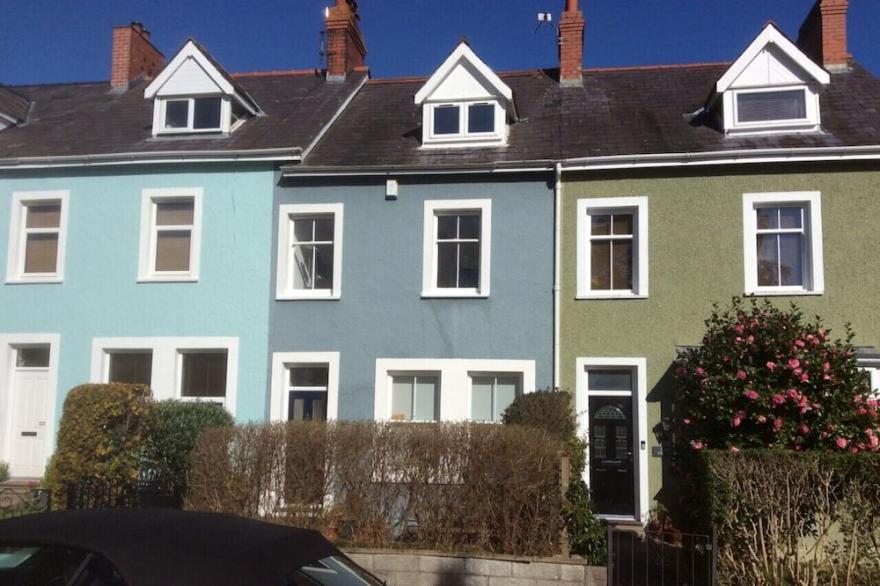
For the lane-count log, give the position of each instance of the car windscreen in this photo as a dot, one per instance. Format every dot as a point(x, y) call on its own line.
point(333, 571)
point(33, 565)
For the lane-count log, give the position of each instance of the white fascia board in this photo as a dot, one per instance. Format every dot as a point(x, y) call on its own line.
point(284, 154)
point(189, 50)
point(771, 35)
point(462, 52)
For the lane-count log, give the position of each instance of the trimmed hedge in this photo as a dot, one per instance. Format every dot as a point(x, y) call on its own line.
point(102, 436)
point(554, 412)
point(174, 428)
point(794, 518)
point(448, 487)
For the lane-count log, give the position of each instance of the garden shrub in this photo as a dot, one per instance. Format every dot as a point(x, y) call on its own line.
point(174, 428)
point(554, 412)
point(4, 471)
point(764, 377)
point(102, 435)
point(794, 518)
point(448, 487)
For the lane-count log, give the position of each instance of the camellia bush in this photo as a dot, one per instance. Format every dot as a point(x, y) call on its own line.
point(770, 378)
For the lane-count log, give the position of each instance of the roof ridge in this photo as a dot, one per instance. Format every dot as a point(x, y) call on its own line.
point(658, 66)
point(276, 73)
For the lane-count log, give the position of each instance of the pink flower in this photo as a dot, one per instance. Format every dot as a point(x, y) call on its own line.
point(862, 411)
point(826, 377)
point(777, 424)
point(797, 371)
point(681, 371)
point(734, 449)
point(741, 375)
point(805, 378)
point(874, 442)
point(777, 400)
point(686, 421)
point(750, 339)
point(793, 394)
point(826, 366)
point(762, 419)
point(739, 329)
point(696, 445)
point(750, 394)
point(805, 429)
point(737, 419)
point(794, 363)
point(699, 371)
point(841, 443)
point(799, 343)
point(771, 366)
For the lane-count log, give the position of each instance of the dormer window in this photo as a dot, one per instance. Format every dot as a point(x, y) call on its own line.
point(464, 104)
point(772, 88)
point(193, 95)
point(193, 115)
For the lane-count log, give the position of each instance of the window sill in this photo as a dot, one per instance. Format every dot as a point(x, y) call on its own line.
point(454, 294)
point(307, 297)
point(784, 292)
point(614, 295)
point(34, 280)
point(183, 278)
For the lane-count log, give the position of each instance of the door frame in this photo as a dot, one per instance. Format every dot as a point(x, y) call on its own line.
point(8, 348)
point(640, 424)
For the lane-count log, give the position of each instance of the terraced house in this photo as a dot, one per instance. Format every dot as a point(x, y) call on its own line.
point(322, 245)
point(136, 217)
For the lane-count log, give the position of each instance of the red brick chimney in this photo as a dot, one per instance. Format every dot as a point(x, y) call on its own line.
point(823, 34)
point(571, 45)
point(345, 44)
point(134, 56)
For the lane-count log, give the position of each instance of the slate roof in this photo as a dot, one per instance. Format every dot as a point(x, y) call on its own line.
point(13, 105)
point(92, 119)
point(623, 111)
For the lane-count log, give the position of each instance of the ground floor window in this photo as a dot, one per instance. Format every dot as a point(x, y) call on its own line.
point(449, 389)
point(189, 369)
point(305, 386)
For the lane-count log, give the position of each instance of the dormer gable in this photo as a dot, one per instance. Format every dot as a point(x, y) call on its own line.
point(193, 94)
point(773, 87)
point(464, 103)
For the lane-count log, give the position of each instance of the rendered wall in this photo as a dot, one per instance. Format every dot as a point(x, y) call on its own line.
point(696, 258)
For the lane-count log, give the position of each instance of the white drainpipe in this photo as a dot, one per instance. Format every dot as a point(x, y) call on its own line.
point(557, 270)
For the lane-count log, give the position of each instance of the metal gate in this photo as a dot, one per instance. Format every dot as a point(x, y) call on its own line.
point(18, 500)
point(648, 558)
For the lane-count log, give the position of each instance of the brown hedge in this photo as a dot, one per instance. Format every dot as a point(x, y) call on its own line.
point(786, 517)
point(448, 487)
point(102, 436)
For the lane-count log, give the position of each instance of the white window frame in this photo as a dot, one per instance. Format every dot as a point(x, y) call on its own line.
point(872, 366)
point(463, 137)
point(283, 361)
point(810, 123)
point(167, 371)
point(493, 374)
point(638, 365)
point(18, 233)
point(284, 263)
point(455, 381)
point(160, 106)
point(813, 266)
point(638, 207)
point(9, 344)
point(147, 255)
point(429, 246)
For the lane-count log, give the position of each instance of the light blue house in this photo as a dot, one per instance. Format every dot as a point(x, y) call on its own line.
point(136, 216)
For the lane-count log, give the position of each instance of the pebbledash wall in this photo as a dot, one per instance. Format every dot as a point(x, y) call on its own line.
point(100, 296)
point(381, 313)
point(696, 258)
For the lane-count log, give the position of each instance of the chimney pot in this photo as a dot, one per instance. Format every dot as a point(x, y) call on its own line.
point(345, 42)
point(571, 45)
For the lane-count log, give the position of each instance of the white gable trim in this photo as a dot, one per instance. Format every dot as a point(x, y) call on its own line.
point(462, 53)
point(771, 35)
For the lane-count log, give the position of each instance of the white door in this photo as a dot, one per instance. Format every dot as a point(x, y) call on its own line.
point(30, 398)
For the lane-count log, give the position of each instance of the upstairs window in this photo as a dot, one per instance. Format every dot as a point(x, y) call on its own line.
point(457, 248)
point(771, 106)
point(192, 115)
point(783, 243)
point(36, 238)
point(464, 121)
point(309, 251)
point(170, 235)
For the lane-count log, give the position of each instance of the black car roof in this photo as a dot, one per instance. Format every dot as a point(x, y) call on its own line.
point(169, 547)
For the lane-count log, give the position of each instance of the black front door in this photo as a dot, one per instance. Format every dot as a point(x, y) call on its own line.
point(611, 455)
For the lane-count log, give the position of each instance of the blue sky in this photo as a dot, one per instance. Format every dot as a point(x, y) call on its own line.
point(44, 41)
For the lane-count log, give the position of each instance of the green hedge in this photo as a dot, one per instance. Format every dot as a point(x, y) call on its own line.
point(554, 412)
point(115, 433)
point(788, 517)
